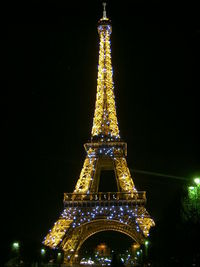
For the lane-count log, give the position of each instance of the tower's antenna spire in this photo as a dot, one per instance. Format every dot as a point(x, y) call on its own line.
point(104, 10)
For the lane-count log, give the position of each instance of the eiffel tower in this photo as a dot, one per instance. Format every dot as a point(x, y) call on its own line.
point(88, 211)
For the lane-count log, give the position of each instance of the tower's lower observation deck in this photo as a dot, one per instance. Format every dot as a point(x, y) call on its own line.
point(110, 149)
point(106, 199)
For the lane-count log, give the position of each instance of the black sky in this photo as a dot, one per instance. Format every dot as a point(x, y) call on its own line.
point(49, 104)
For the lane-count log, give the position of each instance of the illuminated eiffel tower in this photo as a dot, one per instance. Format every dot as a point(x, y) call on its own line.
point(88, 211)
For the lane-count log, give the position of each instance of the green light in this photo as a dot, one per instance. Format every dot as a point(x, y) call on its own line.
point(43, 251)
point(197, 181)
point(59, 254)
point(15, 245)
point(191, 203)
point(146, 243)
point(192, 192)
point(191, 187)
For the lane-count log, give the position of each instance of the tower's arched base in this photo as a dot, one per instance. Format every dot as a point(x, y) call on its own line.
point(79, 235)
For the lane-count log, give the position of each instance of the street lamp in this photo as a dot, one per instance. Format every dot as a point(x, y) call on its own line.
point(43, 251)
point(193, 205)
point(16, 249)
point(197, 181)
point(146, 244)
point(59, 257)
point(15, 246)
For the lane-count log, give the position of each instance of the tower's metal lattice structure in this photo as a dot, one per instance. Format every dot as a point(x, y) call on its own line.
point(86, 210)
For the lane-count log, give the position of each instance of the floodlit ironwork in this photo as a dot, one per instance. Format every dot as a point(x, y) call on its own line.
point(86, 210)
point(105, 197)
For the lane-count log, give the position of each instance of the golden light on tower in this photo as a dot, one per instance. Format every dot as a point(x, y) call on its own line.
point(105, 119)
point(88, 211)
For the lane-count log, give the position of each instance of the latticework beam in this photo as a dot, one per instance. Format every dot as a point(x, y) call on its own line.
point(124, 176)
point(86, 176)
point(105, 118)
point(57, 232)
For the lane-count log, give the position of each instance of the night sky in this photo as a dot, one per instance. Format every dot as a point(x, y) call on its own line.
point(50, 96)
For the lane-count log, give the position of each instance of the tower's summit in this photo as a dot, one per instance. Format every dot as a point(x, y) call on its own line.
point(104, 18)
point(104, 11)
point(105, 124)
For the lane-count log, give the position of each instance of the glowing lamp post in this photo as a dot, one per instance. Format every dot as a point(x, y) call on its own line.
point(194, 199)
point(197, 181)
point(146, 245)
point(15, 249)
point(43, 251)
point(59, 257)
point(15, 246)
